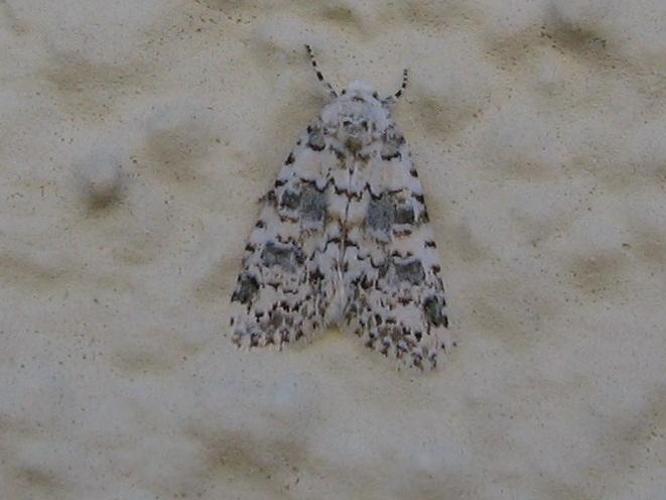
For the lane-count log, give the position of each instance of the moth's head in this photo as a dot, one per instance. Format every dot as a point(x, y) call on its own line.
point(358, 115)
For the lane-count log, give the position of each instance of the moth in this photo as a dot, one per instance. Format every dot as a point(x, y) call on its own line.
point(343, 239)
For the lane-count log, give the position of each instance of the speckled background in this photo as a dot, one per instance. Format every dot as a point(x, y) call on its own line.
point(136, 137)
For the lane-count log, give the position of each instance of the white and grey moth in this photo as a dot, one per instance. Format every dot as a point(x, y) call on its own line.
point(343, 239)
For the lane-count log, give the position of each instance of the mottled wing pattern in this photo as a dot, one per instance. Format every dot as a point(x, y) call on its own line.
point(343, 239)
point(282, 292)
point(396, 296)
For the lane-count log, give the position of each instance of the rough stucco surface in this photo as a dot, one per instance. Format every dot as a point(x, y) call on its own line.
point(135, 139)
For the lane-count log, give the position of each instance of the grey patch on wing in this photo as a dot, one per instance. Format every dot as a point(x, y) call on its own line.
point(313, 204)
point(316, 140)
point(410, 271)
point(246, 289)
point(285, 257)
point(290, 199)
point(433, 309)
point(404, 214)
point(381, 213)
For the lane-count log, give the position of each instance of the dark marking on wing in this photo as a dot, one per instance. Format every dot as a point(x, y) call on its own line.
point(381, 213)
point(246, 289)
point(290, 199)
point(285, 257)
point(389, 152)
point(391, 147)
point(316, 140)
point(410, 271)
point(385, 211)
point(404, 214)
point(432, 307)
point(313, 204)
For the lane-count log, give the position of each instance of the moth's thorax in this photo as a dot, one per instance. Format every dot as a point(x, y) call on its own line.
point(356, 118)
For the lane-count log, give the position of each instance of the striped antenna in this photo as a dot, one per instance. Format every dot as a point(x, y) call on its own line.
point(319, 74)
point(394, 98)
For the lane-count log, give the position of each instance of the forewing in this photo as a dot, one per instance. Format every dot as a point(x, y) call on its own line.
point(283, 290)
point(396, 296)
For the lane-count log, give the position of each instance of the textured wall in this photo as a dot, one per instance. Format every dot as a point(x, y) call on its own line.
point(136, 137)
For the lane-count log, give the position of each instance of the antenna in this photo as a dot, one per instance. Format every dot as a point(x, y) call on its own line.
point(319, 74)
